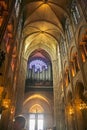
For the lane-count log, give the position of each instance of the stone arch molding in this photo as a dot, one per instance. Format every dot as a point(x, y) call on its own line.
point(73, 52)
point(36, 100)
point(82, 30)
point(36, 108)
point(51, 53)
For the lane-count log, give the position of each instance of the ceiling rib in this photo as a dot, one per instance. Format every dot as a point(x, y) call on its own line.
point(47, 22)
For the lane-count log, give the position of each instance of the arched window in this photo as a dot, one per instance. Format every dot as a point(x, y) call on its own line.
point(62, 47)
point(75, 12)
point(72, 68)
point(17, 7)
point(74, 65)
point(68, 29)
point(66, 77)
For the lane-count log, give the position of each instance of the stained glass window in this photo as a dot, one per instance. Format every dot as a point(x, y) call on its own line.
point(62, 46)
point(17, 7)
point(75, 12)
point(69, 31)
point(38, 65)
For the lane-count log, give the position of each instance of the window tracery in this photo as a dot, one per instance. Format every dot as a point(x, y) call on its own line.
point(62, 45)
point(75, 12)
point(68, 29)
point(38, 65)
point(17, 7)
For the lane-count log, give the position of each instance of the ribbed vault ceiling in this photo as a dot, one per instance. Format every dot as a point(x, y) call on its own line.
point(43, 24)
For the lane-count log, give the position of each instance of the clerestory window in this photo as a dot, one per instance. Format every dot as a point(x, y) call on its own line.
point(75, 12)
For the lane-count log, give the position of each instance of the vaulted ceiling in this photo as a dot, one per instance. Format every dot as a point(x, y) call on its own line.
point(43, 24)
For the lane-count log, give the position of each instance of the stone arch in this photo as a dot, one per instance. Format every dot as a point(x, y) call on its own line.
point(82, 42)
point(66, 74)
point(74, 62)
point(82, 30)
point(36, 108)
point(34, 99)
point(73, 51)
point(65, 64)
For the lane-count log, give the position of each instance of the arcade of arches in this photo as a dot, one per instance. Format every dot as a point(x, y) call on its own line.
point(43, 64)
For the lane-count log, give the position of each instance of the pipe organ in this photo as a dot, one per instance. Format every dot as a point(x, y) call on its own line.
point(40, 76)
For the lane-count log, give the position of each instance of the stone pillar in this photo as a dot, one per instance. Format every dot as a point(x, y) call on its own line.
point(21, 75)
point(55, 85)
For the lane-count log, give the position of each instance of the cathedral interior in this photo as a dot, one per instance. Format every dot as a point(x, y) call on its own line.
point(43, 64)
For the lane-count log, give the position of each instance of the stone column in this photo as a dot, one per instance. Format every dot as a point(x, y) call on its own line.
point(55, 87)
point(21, 75)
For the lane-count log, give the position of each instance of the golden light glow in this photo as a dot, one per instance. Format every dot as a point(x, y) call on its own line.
point(73, 72)
point(70, 110)
point(44, 6)
point(1, 90)
point(83, 57)
point(36, 109)
point(12, 110)
point(6, 103)
point(72, 68)
point(35, 97)
point(82, 106)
